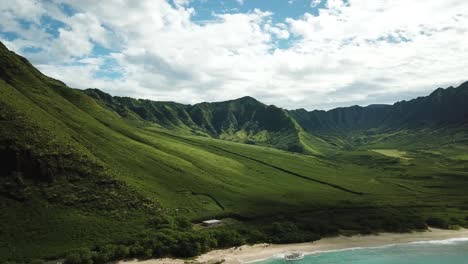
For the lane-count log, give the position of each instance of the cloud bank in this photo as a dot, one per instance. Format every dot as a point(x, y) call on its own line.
point(349, 52)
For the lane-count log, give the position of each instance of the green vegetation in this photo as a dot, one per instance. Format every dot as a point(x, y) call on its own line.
point(244, 120)
point(177, 241)
point(393, 153)
point(92, 178)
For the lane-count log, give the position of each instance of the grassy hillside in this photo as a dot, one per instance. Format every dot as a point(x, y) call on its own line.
point(84, 169)
point(442, 108)
point(244, 120)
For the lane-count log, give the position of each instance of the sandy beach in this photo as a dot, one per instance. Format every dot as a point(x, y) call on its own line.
point(245, 254)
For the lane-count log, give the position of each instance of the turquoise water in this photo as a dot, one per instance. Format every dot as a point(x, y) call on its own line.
point(452, 251)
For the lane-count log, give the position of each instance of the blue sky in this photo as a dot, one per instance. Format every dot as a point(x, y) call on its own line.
point(281, 8)
point(313, 54)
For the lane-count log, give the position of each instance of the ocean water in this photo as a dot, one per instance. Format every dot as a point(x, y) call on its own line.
point(451, 251)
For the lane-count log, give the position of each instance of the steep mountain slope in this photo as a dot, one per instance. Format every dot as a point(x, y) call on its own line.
point(77, 174)
point(340, 120)
point(244, 120)
point(435, 120)
point(52, 186)
point(168, 114)
point(442, 108)
point(314, 132)
point(84, 171)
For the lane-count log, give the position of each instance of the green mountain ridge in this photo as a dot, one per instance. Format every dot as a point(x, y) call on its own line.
point(247, 120)
point(443, 107)
point(244, 120)
point(116, 177)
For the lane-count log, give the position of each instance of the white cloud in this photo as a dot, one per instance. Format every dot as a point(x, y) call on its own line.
point(182, 2)
point(31, 9)
point(353, 52)
point(315, 3)
point(337, 4)
point(84, 30)
point(280, 30)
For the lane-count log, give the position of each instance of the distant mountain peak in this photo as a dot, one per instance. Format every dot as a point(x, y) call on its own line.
point(247, 99)
point(377, 105)
point(438, 90)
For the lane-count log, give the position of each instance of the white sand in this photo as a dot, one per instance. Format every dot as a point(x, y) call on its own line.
point(246, 253)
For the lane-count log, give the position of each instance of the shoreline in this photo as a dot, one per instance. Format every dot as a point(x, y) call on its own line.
point(258, 252)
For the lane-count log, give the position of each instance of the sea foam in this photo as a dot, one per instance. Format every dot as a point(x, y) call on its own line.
point(450, 241)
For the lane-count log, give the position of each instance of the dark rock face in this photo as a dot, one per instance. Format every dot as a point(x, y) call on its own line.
point(11, 172)
point(23, 164)
point(9, 162)
point(17, 167)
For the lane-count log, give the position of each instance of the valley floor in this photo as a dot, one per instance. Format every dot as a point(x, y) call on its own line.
point(246, 254)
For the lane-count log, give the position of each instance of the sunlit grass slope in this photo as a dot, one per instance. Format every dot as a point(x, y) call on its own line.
point(79, 173)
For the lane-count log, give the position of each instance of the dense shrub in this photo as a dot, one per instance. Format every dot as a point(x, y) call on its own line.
point(148, 253)
point(72, 258)
point(174, 236)
point(161, 243)
point(81, 256)
point(182, 223)
point(228, 238)
point(121, 252)
point(36, 261)
point(282, 232)
point(188, 245)
point(287, 232)
point(138, 251)
point(161, 221)
point(207, 241)
point(437, 222)
point(252, 235)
